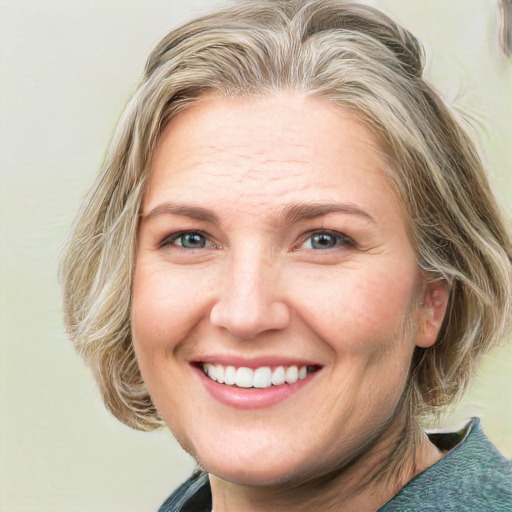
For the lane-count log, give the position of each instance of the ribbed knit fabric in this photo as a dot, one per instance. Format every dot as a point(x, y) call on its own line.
point(472, 477)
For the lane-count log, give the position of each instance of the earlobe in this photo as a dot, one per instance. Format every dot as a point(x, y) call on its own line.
point(431, 313)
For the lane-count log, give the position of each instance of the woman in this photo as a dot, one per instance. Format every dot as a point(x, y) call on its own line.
point(292, 255)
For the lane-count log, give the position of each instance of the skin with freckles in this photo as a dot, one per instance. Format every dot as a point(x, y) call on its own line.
point(270, 235)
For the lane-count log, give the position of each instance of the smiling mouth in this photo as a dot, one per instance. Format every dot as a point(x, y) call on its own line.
point(259, 378)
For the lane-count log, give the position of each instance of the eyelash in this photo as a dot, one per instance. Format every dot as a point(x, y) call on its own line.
point(339, 240)
point(171, 240)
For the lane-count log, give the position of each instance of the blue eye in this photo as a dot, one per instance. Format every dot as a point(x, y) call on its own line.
point(191, 241)
point(188, 240)
point(323, 240)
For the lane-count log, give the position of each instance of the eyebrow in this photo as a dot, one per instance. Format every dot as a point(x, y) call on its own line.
point(303, 211)
point(194, 212)
point(290, 214)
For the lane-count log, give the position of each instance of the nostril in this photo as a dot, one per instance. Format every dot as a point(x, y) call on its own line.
point(246, 319)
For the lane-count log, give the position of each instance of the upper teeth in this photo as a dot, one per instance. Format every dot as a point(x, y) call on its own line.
point(262, 377)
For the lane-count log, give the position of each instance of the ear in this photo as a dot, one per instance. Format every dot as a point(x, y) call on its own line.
point(431, 313)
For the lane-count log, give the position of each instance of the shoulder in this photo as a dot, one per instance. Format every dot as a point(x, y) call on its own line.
point(472, 477)
point(193, 495)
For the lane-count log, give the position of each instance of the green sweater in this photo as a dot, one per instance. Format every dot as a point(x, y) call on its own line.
point(472, 477)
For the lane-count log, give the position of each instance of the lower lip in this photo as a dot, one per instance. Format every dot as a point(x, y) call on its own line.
point(252, 398)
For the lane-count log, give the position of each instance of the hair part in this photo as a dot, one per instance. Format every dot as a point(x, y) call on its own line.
point(357, 58)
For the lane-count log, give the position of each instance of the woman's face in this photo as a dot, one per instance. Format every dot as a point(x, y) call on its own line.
point(272, 248)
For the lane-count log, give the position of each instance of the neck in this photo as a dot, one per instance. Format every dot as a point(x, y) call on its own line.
point(363, 485)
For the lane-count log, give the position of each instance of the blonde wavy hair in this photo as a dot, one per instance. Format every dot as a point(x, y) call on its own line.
point(356, 57)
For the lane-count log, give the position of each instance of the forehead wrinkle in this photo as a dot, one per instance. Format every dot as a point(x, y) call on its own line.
point(250, 153)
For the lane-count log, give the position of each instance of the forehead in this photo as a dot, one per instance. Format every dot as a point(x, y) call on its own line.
point(267, 150)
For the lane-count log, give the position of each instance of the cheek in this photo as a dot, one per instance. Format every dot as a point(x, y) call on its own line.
point(166, 305)
point(357, 311)
point(165, 308)
point(381, 304)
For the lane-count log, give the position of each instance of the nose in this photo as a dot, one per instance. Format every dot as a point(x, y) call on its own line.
point(248, 302)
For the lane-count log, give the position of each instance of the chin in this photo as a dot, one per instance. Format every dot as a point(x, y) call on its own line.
point(253, 476)
point(245, 467)
point(274, 472)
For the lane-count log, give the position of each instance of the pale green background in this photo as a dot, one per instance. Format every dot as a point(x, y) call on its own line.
point(67, 69)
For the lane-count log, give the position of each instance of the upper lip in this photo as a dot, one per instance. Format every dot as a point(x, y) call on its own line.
point(253, 362)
